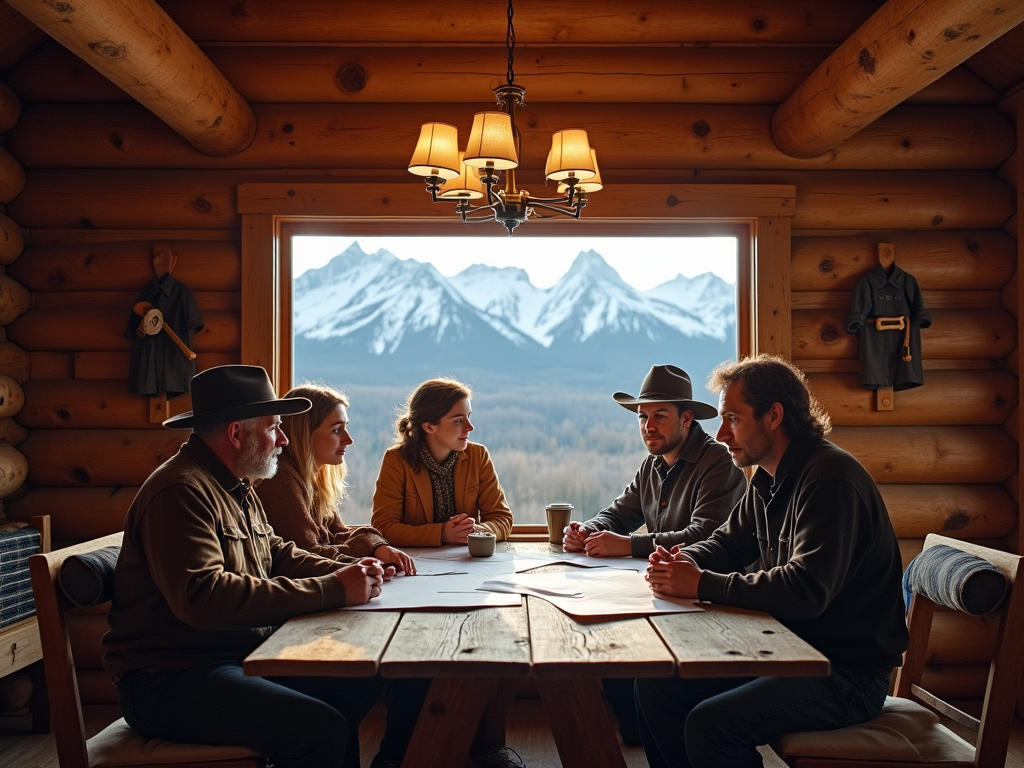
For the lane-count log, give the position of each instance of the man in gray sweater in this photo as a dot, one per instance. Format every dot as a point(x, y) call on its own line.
point(682, 492)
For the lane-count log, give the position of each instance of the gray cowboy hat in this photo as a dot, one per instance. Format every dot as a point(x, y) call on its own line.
point(234, 393)
point(667, 384)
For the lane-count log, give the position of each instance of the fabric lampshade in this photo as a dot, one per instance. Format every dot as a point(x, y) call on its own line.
point(491, 144)
point(593, 184)
point(437, 152)
point(467, 187)
point(570, 156)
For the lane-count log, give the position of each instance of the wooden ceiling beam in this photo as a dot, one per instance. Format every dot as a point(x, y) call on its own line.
point(905, 46)
point(139, 48)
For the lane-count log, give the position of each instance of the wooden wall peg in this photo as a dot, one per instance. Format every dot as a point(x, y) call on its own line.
point(885, 399)
point(159, 411)
point(164, 259)
point(886, 256)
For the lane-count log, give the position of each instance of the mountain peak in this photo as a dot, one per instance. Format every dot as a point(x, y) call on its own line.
point(592, 263)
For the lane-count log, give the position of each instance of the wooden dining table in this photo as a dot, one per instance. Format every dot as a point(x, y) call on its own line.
point(468, 652)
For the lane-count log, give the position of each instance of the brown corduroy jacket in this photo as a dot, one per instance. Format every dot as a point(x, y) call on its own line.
point(403, 502)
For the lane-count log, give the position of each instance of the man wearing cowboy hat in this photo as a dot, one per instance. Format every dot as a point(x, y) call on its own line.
point(201, 580)
point(683, 491)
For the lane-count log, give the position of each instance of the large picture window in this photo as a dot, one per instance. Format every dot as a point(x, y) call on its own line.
point(543, 329)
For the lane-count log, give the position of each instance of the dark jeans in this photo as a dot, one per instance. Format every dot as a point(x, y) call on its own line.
point(295, 722)
point(721, 721)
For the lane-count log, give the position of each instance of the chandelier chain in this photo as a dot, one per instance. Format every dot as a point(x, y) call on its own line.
point(510, 42)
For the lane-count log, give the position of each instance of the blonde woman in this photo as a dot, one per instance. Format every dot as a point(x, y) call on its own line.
point(435, 487)
point(302, 499)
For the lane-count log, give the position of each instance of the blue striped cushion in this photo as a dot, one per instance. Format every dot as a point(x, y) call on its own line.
point(956, 579)
point(16, 602)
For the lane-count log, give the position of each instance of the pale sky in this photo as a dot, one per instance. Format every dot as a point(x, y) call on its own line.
point(643, 262)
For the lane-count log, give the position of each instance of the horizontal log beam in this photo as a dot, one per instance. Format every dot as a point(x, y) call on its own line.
point(955, 333)
point(946, 641)
point(903, 47)
point(656, 137)
point(71, 404)
point(206, 300)
point(537, 21)
point(75, 513)
point(316, 74)
point(937, 260)
point(928, 455)
point(136, 45)
point(82, 457)
point(932, 300)
point(114, 365)
point(842, 200)
point(949, 398)
point(99, 330)
point(203, 266)
point(959, 511)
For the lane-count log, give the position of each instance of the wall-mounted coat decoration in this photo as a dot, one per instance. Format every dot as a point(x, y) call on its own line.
point(167, 314)
point(888, 313)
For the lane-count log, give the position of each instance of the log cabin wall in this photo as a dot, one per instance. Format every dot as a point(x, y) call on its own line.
point(667, 95)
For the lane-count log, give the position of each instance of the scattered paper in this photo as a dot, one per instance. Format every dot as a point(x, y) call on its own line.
point(435, 592)
point(609, 592)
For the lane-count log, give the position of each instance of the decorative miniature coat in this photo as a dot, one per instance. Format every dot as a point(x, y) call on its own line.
point(884, 353)
point(156, 364)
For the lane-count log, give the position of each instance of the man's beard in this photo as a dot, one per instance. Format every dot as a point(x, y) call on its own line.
point(254, 463)
point(670, 443)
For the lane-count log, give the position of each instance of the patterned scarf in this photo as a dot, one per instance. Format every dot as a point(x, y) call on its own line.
point(442, 482)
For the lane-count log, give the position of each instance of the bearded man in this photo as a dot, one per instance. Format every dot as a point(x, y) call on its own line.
point(684, 489)
point(201, 580)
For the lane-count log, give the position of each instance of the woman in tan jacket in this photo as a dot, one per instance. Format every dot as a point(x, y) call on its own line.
point(435, 487)
point(302, 499)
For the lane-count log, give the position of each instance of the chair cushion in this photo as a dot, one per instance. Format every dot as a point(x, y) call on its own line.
point(956, 579)
point(117, 744)
point(88, 579)
point(903, 731)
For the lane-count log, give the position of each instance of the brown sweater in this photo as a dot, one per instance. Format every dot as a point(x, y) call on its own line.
point(290, 512)
point(201, 577)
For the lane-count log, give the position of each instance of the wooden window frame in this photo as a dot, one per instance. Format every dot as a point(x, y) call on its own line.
point(759, 215)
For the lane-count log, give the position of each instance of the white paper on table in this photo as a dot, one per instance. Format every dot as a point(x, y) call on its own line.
point(454, 591)
point(608, 592)
point(582, 559)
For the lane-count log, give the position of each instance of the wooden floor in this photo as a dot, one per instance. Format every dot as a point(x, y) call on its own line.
point(527, 734)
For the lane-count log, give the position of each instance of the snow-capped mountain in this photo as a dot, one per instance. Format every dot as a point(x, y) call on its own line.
point(361, 310)
point(591, 299)
point(377, 300)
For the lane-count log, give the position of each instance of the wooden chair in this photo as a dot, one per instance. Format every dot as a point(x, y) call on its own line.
point(117, 744)
point(908, 734)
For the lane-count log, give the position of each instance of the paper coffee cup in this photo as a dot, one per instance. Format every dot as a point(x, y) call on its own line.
point(558, 514)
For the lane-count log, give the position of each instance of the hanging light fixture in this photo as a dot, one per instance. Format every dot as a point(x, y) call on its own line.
point(492, 152)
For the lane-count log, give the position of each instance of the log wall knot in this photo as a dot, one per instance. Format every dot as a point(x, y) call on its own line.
point(62, 7)
point(672, 201)
point(352, 78)
point(109, 50)
point(287, 128)
point(758, 25)
point(116, 140)
point(701, 129)
point(937, 219)
point(202, 205)
point(866, 61)
point(957, 521)
point(240, 10)
point(973, 246)
point(953, 33)
point(828, 333)
point(81, 474)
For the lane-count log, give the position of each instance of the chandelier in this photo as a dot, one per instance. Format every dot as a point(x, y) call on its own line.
point(493, 152)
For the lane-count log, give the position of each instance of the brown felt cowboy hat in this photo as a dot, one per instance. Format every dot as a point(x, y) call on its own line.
point(234, 393)
point(667, 384)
